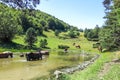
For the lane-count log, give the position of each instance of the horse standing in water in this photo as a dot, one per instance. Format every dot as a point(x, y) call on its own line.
point(6, 55)
point(33, 56)
point(66, 49)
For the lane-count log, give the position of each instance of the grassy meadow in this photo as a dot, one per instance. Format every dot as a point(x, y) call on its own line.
point(53, 42)
point(92, 71)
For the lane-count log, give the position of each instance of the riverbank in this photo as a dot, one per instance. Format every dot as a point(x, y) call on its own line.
point(78, 67)
point(93, 71)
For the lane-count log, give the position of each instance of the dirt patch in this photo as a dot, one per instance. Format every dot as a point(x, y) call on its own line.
point(107, 66)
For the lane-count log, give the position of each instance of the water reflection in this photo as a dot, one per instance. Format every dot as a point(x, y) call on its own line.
point(18, 68)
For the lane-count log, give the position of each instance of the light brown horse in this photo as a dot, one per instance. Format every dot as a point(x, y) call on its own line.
point(78, 46)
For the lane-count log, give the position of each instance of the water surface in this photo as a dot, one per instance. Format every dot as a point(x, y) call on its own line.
point(19, 69)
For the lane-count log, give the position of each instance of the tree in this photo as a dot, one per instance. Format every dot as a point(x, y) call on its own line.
point(106, 39)
point(43, 43)
point(109, 35)
point(71, 34)
point(92, 34)
point(30, 4)
point(57, 32)
point(31, 37)
point(25, 22)
point(8, 24)
point(43, 23)
point(86, 31)
point(77, 33)
point(59, 26)
point(51, 23)
point(96, 31)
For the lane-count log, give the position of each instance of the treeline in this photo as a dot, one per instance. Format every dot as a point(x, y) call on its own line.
point(18, 21)
point(108, 36)
point(92, 34)
point(41, 21)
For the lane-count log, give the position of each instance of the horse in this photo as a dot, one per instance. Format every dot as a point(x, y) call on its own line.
point(33, 56)
point(66, 49)
point(78, 46)
point(6, 55)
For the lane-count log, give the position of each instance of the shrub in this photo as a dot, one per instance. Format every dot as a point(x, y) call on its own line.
point(64, 77)
point(43, 43)
point(63, 46)
point(96, 45)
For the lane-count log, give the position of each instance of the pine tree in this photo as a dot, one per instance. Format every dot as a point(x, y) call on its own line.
point(109, 35)
point(31, 37)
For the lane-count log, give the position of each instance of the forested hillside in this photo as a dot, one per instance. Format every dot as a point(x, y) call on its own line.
point(31, 23)
point(18, 21)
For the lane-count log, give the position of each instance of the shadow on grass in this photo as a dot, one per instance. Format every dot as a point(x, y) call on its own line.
point(111, 50)
point(11, 45)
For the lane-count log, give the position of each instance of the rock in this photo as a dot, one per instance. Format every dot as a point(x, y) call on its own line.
point(57, 73)
point(78, 67)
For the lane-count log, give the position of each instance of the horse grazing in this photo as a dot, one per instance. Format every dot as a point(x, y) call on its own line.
point(6, 55)
point(78, 46)
point(33, 56)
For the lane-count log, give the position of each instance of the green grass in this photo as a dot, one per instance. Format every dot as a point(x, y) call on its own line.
point(113, 74)
point(91, 72)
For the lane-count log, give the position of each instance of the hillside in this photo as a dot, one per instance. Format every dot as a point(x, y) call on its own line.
point(15, 25)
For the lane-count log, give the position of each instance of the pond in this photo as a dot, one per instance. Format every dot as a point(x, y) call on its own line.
point(18, 68)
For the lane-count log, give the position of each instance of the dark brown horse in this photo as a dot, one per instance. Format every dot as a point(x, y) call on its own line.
point(66, 49)
point(33, 56)
point(6, 55)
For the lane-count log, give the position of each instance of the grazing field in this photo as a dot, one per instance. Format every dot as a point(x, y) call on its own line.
point(95, 71)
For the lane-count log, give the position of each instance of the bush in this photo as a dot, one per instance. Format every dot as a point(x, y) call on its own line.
point(43, 43)
point(63, 46)
point(96, 45)
point(64, 77)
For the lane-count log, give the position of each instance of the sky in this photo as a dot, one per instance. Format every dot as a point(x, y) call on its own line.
point(80, 13)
